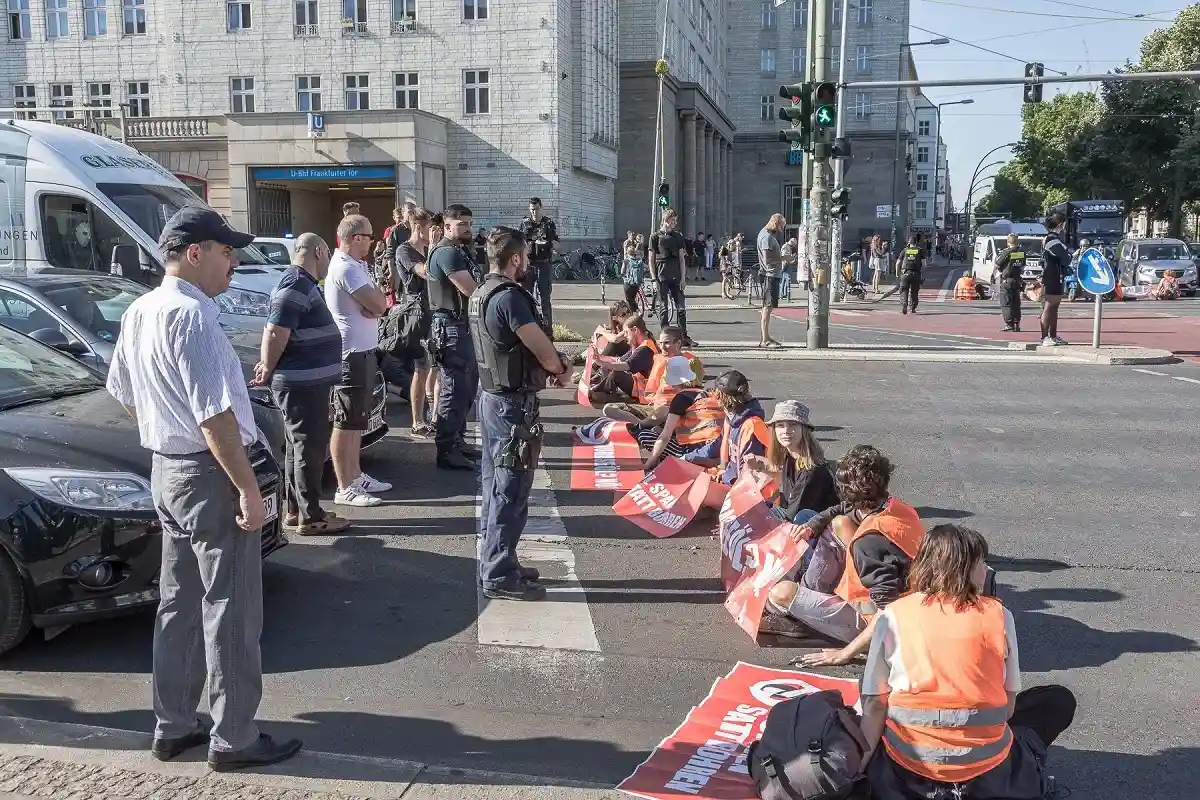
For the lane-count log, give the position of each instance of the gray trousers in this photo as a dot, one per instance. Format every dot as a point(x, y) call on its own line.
point(308, 428)
point(815, 603)
point(210, 611)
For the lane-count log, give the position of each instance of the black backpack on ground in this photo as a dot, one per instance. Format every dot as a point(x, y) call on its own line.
point(811, 749)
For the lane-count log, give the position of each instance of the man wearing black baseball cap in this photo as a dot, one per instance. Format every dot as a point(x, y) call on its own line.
point(745, 432)
point(177, 374)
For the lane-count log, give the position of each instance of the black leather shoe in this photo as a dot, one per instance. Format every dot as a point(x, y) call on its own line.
point(530, 574)
point(468, 451)
point(455, 460)
point(522, 590)
point(263, 752)
point(166, 749)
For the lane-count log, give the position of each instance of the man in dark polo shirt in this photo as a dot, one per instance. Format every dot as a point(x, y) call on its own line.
point(301, 360)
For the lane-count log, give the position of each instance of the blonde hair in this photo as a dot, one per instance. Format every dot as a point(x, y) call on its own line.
point(352, 226)
point(811, 454)
point(1012, 240)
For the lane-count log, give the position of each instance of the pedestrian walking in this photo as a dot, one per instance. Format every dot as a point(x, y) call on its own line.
point(356, 303)
point(542, 235)
point(1010, 266)
point(177, 374)
point(1056, 263)
point(515, 358)
point(710, 252)
point(770, 260)
point(877, 253)
point(300, 359)
point(453, 277)
point(633, 274)
point(790, 259)
point(909, 264)
point(668, 268)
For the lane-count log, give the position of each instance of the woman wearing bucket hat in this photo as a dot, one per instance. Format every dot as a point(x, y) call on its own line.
point(694, 417)
point(796, 462)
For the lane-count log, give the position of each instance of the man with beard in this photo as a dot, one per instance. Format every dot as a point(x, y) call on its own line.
point(542, 236)
point(515, 358)
point(453, 278)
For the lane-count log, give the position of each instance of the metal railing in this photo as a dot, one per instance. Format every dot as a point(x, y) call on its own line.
point(402, 26)
point(303, 31)
point(350, 28)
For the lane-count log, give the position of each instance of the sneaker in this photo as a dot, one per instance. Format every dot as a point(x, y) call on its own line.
point(521, 590)
point(1008, 329)
point(423, 430)
point(1058, 341)
point(330, 526)
point(354, 496)
point(782, 625)
point(1048, 342)
point(371, 486)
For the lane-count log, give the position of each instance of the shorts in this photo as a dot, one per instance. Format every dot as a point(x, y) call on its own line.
point(420, 355)
point(354, 392)
point(770, 292)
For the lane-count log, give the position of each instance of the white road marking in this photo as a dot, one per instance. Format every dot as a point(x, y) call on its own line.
point(563, 620)
point(1150, 372)
point(947, 285)
point(1188, 380)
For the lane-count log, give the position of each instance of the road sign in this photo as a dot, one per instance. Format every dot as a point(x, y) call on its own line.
point(795, 158)
point(1095, 273)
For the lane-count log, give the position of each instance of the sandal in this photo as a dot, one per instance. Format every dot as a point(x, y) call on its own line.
point(332, 524)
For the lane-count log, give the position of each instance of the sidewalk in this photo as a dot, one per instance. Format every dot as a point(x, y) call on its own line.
point(81, 762)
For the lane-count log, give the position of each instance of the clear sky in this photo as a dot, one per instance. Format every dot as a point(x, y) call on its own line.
point(1084, 37)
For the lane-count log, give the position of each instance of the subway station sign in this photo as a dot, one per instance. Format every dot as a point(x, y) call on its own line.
point(348, 173)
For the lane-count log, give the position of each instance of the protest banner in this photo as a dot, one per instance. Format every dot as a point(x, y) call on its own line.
point(605, 457)
point(757, 550)
point(585, 380)
point(705, 757)
point(667, 499)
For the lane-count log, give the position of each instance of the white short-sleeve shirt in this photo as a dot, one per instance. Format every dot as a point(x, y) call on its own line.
point(360, 332)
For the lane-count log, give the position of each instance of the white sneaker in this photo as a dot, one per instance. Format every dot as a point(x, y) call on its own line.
point(1048, 342)
point(353, 496)
point(371, 486)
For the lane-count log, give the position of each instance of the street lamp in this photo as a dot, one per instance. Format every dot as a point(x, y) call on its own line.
point(980, 179)
point(937, 158)
point(660, 69)
point(899, 103)
point(975, 175)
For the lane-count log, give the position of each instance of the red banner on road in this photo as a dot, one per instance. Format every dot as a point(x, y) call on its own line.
point(705, 757)
point(605, 457)
point(585, 380)
point(756, 552)
point(667, 499)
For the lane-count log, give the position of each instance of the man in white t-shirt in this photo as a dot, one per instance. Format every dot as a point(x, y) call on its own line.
point(356, 304)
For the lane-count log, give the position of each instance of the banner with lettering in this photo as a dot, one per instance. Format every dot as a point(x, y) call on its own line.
point(667, 499)
point(757, 550)
point(705, 757)
point(585, 380)
point(605, 457)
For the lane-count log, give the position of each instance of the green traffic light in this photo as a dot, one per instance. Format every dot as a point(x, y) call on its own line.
point(826, 116)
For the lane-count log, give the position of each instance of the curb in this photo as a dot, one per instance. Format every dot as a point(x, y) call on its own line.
point(1013, 352)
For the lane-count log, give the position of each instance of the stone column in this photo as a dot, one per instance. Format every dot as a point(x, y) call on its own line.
point(723, 203)
point(702, 179)
point(687, 209)
point(729, 187)
point(714, 186)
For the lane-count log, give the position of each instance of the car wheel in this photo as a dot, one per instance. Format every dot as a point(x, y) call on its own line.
point(14, 611)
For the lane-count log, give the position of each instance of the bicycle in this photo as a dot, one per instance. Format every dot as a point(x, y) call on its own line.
point(733, 283)
point(756, 287)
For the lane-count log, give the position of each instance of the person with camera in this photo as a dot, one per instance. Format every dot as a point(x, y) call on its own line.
point(542, 236)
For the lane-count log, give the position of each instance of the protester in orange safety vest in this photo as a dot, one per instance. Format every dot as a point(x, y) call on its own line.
point(744, 432)
point(694, 417)
point(622, 379)
point(942, 687)
point(836, 595)
point(655, 397)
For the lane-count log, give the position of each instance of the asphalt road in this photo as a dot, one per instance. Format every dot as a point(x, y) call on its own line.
point(1082, 478)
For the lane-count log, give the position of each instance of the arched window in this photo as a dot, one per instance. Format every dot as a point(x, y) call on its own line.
point(200, 187)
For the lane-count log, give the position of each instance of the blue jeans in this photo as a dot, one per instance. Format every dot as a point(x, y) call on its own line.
point(504, 491)
point(541, 277)
point(459, 380)
point(785, 282)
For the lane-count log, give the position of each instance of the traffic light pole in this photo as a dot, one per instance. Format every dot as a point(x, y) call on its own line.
point(818, 298)
point(660, 69)
point(839, 164)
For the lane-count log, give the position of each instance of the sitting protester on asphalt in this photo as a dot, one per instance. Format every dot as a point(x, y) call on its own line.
point(693, 419)
point(796, 464)
point(744, 433)
point(942, 687)
point(1167, 288)
point(837, 595)
point(622, 379)
point(655, 396)
point(609, 340)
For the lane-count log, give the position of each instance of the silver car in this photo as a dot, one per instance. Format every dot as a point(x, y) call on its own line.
point(1143, 262)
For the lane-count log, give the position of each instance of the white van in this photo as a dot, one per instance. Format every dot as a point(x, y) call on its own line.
point(991, 238)
point(74, 200)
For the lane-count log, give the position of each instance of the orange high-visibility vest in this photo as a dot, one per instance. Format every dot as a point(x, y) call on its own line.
point(951, 723)
point(702, 422)
point(901, 524)
point(753, 428)
point(964, 288)
point(660, 393)
point(639, 383)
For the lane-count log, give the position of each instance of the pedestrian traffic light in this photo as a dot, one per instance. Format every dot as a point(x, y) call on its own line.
point(824, 106)
point(840, 200)
point(1033, 91)
point(664, 194)
point(799, 114)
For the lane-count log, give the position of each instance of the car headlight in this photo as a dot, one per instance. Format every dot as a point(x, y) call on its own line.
point(93, 491)
point(244, 302)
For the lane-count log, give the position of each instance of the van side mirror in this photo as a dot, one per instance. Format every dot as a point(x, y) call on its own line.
point(127, 262)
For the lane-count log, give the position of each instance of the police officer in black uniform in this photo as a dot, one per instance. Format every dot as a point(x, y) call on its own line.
point(542, 235)
point(910, 264)
point(1010, 266)
point(515, 359)
point(453, 278)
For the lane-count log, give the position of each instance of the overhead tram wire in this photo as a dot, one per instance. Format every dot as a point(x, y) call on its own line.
point(1144, 17)
point(968, 44)
point(1078, 25)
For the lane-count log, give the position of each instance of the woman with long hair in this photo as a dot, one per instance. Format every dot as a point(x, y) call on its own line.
point(878, 261)
point(609, 339)
point(796, 463)
point(942, 687)
point(633, 273)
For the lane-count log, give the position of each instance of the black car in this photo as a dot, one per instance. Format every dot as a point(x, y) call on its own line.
point(79, 537)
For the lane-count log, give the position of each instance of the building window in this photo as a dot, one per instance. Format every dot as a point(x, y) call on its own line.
point(137, 94)
point(922, 155)
point(56, 19)
point(354, 11)
point(476, 10)
point(95, 18)
point(19, 26)
point(768, 14)
point(198, 186)
point(835, 58)
point(922, 181)
point(241, 95)
point(477, 91)
point(837, 13)
point(863, 54)
point(239, 14)
point(134, 15)
point(404, 16)
point(793, 202)
point(62, 95)
point(100, 96)
point(767, 61)
point(358, 92)
point(25, 96)
point(923, 128)
point(798, 61)
point(922, 209)
point(799, 13)
point(864, 12)
point(766, 105)
point(306, 17)
point(407, 90)
point(862, 105)
point(308, 92)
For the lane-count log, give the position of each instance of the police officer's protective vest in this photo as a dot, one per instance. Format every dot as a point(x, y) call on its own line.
point(912, 259)
point(901, 524)
point(951, 723)
point(444, 297)
point(501, 368)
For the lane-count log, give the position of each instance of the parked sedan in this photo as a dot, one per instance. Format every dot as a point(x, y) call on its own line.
point(79, 537)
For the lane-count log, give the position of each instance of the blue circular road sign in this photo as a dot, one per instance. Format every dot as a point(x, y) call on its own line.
point(1095, 273)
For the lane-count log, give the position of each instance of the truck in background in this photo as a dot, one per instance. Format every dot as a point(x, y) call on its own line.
point(1101, 222)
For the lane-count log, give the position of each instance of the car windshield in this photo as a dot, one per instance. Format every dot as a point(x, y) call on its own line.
point(96, 305)
point(1101, 226)
point(31, 371)
point(1163, 252)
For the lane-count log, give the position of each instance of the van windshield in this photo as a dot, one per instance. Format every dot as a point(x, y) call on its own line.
point(1032, 246)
